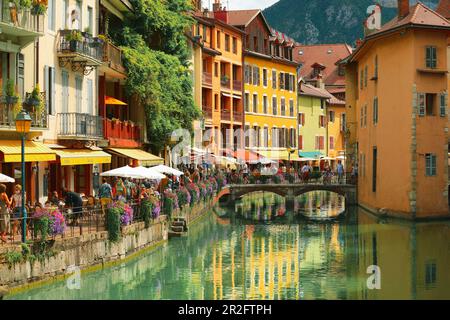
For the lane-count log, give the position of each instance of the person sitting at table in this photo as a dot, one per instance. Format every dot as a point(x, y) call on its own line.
point(54, 199)
point(75, 202)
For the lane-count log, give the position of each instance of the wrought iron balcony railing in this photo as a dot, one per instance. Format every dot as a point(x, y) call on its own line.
point(80, 125)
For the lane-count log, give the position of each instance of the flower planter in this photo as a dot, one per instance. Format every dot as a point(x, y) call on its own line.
point(73, 45)
point(33, 102)
point(11, 100)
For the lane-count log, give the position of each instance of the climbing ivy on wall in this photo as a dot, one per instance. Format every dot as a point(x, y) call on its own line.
point(156, 56)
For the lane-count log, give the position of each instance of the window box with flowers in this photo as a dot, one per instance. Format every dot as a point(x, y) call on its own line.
point(39, 7)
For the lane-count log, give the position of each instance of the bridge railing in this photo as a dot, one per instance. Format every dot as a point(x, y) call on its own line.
point(286, 178)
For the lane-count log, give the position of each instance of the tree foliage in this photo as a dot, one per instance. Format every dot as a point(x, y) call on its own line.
point(156, 57)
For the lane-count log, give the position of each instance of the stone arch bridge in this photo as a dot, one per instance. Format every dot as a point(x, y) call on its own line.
point(290, 191)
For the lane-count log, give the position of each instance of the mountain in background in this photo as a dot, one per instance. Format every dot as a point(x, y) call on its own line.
point(327, 21)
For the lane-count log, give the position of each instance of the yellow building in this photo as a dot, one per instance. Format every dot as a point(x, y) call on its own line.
point(270, 98)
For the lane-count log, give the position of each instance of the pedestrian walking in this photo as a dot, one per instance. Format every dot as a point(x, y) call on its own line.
point(106, 195)
point(5, 204)
point(340, 171)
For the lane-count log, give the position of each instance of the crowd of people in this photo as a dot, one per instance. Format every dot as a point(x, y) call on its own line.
point(133, 191)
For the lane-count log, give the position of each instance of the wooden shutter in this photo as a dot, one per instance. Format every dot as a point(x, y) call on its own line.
point(443, 104)
point(47, 88)
point(90, 97)
point(421, 104)
point(300, 142)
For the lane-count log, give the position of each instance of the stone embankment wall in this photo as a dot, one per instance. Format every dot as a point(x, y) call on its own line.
point(84, 251)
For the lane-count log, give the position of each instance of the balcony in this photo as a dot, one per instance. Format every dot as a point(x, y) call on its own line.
point(79, 49)
point(207, 112)
point(20, 24)
point(238, 116)
point(8, 113)
point(225, 82)
point(80, 126)
point(225, 115)
point(207, 79)
point(112, 60)
point(122, 133)
point(237, 85)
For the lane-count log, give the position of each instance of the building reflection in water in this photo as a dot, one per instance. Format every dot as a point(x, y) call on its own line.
point(246, 253)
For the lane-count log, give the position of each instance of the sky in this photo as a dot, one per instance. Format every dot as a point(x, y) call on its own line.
point(243, 4)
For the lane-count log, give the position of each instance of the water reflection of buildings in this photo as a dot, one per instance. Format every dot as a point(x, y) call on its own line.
point(414, 258)
point(321, 204)
point(280, 260)
point(257, 266)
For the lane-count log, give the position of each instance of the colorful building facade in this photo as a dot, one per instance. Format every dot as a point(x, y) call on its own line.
point(219, 45)
point(319, 67)
point(312, 126)
point(84, 122)
point(270, 95)
point(397, 101)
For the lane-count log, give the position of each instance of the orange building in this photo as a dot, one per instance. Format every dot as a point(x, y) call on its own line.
point(221, 78)
point(397, 102)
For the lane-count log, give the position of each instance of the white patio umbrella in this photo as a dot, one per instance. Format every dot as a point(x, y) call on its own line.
point(167, 170)
point(148, 173)
point(123, 172)
point(264, 160)
point(307, 159)
point(5, 178)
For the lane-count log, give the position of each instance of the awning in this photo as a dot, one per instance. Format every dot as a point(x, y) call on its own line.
point(311, 154)
point(144, 158)
point(34, 151)
point(226, 95)
point(74, 157)
point(114, 101)
point(275, 154)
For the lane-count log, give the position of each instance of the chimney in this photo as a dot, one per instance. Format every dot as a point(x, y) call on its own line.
point(403, 8)
point(216, 6)
point(219, 12)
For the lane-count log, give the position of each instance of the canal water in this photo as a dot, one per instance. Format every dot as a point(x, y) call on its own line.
point(258, 250)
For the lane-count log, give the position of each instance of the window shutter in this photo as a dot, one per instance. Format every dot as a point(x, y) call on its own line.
point(421, 104)
point(433, 57)
point(443, 104)
point(90, 97)
point(53, 89)
point(300, 142)
point(47, 88)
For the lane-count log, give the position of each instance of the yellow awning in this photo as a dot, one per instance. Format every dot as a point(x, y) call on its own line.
point(34, 151)
point(144, 158)
point(295, 157)
point(275, 154)
point(74, 157)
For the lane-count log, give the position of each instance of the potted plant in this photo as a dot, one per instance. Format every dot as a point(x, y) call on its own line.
point(39, 7)
point(87, 31)
point(22, 4)
point(74, 37)
point(11, 97)
point(34, 99)
point(103, 38)
point(225, 79)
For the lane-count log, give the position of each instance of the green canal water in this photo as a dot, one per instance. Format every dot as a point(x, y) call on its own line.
point(258, 250)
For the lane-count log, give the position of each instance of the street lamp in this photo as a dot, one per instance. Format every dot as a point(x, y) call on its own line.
point(23, 125)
